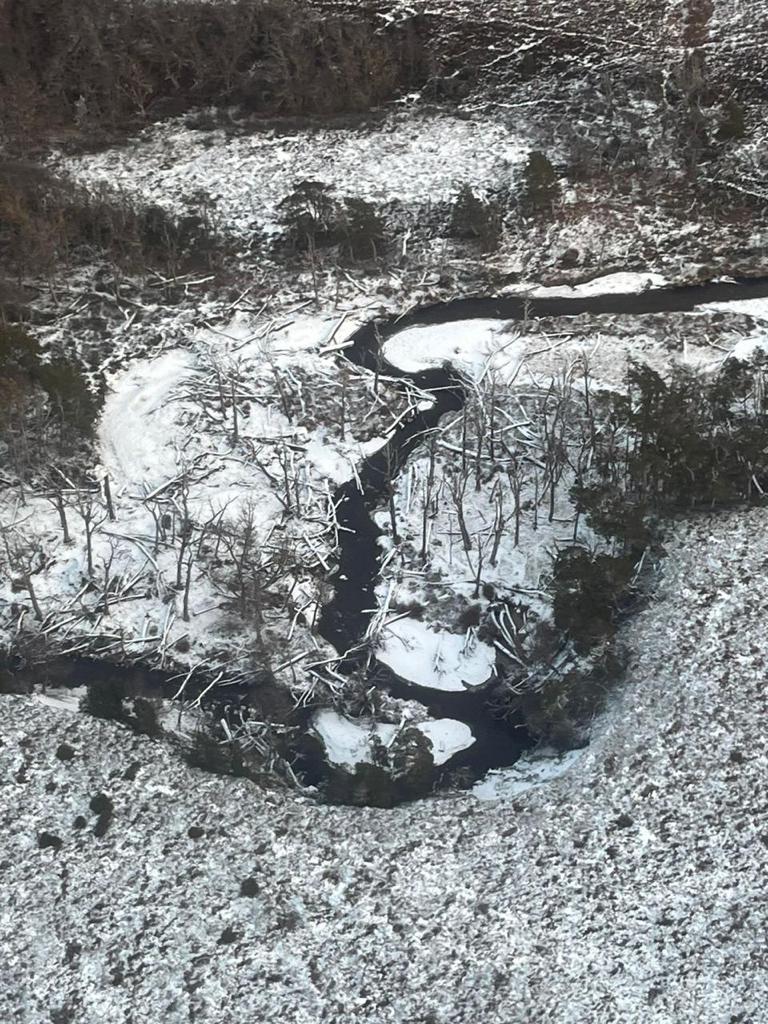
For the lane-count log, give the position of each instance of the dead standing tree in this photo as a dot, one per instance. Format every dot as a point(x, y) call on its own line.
point(253, 567)
point(24, 557)
point(88, 507)
point(56, 498)
point(457, 486)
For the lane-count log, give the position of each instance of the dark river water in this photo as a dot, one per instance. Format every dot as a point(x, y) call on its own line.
point(345, 619)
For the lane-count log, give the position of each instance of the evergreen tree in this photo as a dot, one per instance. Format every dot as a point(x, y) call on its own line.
point(540, 188)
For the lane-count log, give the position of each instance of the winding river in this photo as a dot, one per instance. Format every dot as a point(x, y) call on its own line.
point(346, 617)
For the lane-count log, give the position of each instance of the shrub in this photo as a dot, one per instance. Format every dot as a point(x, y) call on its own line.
point(470, 616)
point(363, 231)
point(311, 216)
point(19, 367)
point(477, 219)
point(560, 711)
point(46, 408)
point(48, 841)
point(103, 808)
point(589, 591)
point(676, 443)
point(615, 515)
point(539, 189)
point(209, 753)
point(144, 718)
point(733, 121)
point(45, 218)
point(104, 699)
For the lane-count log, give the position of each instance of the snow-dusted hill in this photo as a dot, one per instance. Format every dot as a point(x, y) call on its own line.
point(630, 889)
point(620, 883)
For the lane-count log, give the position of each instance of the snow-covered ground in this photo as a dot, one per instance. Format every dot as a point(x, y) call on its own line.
point(475, 347)
point(166, 444)
point(350, 743)
point(436, 659)
point(163, 417)
point(537, 768)
point(623, 883)
point(239, 179)
point(620, 283)
point(630, 890)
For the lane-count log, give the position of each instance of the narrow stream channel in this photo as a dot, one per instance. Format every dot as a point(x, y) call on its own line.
point(346, 617)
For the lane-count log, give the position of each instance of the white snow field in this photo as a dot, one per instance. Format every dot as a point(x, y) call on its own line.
point(239, 179)
point(630, 890)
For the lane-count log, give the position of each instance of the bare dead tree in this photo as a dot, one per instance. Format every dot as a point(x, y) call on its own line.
point(108, 500)
point(285, 401)
point(492, 416)
point(499, 520)
point(233, 396)
point(517, 479)
point(106, 565)
point(343, 411)
point(253, 568)
point(187, 586)
point(429, 510)
point(92, 514)
point(457, 486)
point(185, 529)
point(287, 465)
point(482, 545)
point(161, 520)
point(464, 421)
point(56, 498)
point(480, 428)
point(24, 555)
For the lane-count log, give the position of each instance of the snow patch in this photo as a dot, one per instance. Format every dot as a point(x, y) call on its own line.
point(62, 700)
point(136, 428)
point(747, 348)
point(349, 743)
point(622, 283)
point(442, 661)
point(532, 770)
point(473, 346)
point(447, 736)
point(757, 308)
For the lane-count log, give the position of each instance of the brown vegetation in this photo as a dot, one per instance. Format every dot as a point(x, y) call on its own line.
point(82, 61)
point(45, 219)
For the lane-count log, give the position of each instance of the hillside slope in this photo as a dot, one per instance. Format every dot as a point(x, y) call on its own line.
point(629, 890)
